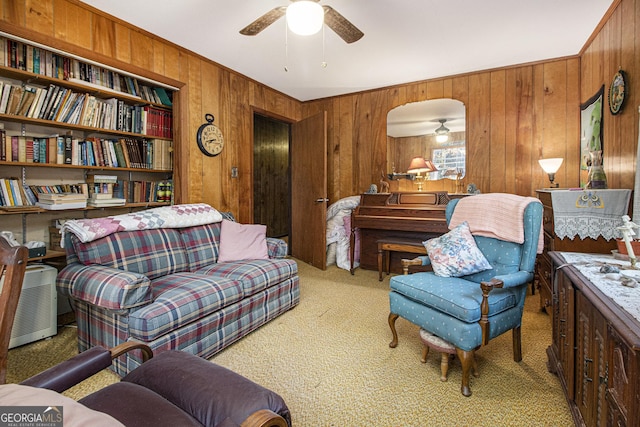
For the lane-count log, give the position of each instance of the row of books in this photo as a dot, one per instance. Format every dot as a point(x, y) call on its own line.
point(14, 193)
point(64, 105)
point(40, 61)
point(153, 154)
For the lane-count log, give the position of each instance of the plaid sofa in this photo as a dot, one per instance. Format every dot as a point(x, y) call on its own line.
point(164, 287)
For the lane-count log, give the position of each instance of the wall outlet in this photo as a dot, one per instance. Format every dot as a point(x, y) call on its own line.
point(234, 172)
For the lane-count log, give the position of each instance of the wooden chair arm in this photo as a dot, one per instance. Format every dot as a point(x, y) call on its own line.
point(264, 418)
point(484, 306)
point(128, 346)
point(406, 263)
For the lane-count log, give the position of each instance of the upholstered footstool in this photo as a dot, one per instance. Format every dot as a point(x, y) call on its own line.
point(446, 350)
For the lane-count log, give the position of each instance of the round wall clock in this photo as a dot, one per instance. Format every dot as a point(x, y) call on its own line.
point(617, 92)
point(209, 137)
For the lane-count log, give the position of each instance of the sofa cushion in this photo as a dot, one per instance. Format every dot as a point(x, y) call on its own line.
point(201, 244)
point(455, 296)
point(154, 253)
point(242, 242)
point(255, 275)
point(179, 299)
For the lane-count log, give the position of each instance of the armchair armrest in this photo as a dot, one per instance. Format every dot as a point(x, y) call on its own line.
point(80, 367)
point(515, 279)
point(264, 418)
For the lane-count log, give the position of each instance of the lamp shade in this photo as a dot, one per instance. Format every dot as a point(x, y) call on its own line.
point(419, 164)
point(305, 17)
point(551, 165)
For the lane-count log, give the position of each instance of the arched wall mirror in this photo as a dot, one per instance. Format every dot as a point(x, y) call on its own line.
point(433, 129)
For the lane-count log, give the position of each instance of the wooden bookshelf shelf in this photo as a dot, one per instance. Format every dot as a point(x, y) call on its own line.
point(75, 117)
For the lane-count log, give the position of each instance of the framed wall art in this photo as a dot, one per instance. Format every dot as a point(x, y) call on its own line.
point(590, 131)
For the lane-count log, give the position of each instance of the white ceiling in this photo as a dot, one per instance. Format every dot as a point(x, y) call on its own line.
point(404, 41)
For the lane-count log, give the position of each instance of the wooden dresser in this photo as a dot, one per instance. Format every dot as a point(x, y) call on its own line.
point(553, 243)
point(595, 349)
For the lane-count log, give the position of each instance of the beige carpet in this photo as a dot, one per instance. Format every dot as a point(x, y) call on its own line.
point(329, 359)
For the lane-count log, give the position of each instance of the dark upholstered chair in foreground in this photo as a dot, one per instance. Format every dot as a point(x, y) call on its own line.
point(174, 388)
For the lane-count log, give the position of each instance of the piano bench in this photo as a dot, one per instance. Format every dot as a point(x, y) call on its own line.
point(396, 244)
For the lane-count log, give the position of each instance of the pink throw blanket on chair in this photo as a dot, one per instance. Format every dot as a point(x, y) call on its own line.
point(498, 215)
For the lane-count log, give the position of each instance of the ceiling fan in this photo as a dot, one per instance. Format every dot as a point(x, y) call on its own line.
point(338, 23)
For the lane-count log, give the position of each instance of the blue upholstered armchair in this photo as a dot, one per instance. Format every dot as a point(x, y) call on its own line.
point(469, 310)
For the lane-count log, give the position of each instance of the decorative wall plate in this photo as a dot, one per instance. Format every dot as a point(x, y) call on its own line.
point(617, 92)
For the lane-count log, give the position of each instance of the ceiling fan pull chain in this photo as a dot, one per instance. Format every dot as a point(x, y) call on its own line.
point(286, 49)
point(323, 64)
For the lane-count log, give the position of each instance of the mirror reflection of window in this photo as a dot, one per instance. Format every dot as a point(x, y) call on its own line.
point(413, 130)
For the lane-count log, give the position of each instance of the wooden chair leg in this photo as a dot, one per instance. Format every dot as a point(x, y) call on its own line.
point(444, 366)
point(380, 266)
point(517, 343)
point(392, 324)
point(425, 353)
point(467, 361)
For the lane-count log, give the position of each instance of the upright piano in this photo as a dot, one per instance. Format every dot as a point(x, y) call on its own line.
point(419, 216)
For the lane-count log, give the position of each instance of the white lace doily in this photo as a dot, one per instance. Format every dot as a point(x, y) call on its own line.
point(589, 266)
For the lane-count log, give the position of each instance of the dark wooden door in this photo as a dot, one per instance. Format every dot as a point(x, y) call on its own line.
point(271, 189)
point(309, 190)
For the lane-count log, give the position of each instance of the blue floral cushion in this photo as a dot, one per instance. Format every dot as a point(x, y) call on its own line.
point(455, 254)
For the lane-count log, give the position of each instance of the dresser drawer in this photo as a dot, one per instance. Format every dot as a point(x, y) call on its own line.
point(545, 281)
point(547, 220)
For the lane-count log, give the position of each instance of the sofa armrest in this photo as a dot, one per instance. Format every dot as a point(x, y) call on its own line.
point(277, 248)
point(105, 287)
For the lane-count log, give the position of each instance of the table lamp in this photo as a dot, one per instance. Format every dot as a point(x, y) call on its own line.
point(419, 165)
point(551, 166)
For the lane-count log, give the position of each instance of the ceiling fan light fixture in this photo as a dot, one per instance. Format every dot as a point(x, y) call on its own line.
point(442, 133)
point(305, 17)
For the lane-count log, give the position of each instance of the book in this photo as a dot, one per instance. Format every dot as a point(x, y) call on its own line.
point(62, 206)
point(108, 179)
point(106, 202)
point(163, 96)
point(61, 197)
point(28, 95)
point(14, 99)
point(6, 91)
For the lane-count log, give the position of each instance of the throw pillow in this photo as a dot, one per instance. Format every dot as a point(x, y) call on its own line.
point(455, 254)
point(242, 241)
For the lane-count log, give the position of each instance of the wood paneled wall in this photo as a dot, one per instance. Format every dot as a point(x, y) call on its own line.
point(615, 46)
point(515, 115)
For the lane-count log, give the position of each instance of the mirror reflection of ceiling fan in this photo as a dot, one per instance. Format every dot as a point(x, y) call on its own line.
point(334, 20)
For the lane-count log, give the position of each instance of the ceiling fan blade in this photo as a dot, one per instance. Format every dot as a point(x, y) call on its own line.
point(264, 21)
point(341, 25)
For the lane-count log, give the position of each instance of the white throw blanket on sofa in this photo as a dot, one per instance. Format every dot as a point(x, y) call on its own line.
point(176, 216)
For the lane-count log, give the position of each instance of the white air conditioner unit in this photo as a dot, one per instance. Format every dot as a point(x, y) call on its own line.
point(36, 316)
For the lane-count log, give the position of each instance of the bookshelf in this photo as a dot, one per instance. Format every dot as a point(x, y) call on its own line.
point(64, 118)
